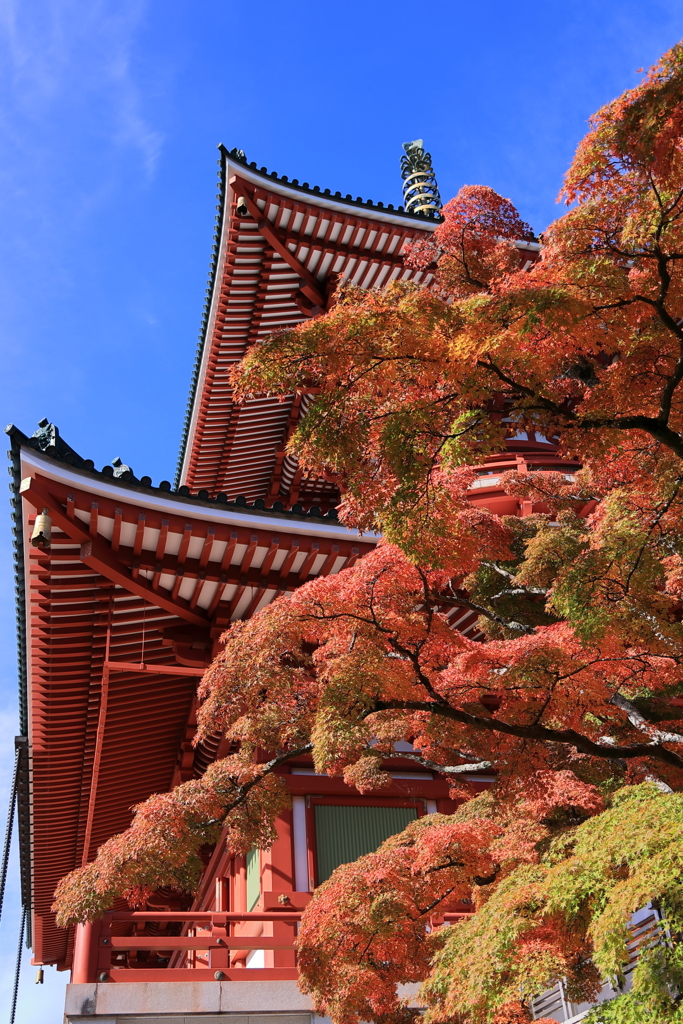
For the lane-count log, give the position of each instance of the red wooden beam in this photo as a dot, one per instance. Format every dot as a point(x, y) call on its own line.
point(156, 669)
point(93, 518)
point(97, 554)
point(311, 287)
point(310, 558)
point(196, 942)
point(217, 917)
point(116, 533)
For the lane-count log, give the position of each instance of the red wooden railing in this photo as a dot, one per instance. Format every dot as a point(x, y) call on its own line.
point(213, 946)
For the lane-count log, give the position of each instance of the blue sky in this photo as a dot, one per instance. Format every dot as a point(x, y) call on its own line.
point(110, 113)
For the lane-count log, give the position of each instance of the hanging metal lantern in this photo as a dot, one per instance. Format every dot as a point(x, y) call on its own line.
point(42, 531)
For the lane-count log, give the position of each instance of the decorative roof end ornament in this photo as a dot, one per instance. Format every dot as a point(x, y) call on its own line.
point(122, 471)
point(420, 190)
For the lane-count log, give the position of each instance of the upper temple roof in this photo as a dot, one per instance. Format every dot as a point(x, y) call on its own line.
point(280, 248)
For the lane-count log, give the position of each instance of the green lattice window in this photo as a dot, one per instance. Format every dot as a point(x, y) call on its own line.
point(253, 877)
point(344, 833)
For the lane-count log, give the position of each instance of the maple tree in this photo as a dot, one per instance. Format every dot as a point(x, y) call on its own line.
point(573, 698)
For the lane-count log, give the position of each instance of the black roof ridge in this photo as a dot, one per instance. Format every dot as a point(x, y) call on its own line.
point(239, 156)
point(23, 800)
point(18, 545)
point(201, 342)
point(62, 452)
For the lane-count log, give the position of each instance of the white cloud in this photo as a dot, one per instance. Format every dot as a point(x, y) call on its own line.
point(67, 61)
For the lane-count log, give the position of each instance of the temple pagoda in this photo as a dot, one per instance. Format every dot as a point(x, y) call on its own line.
point(124, 587)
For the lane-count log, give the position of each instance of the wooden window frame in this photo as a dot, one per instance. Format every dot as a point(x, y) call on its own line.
point(419, 803)
point(254, 853)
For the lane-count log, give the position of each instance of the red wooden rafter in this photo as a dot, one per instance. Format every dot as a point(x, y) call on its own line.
point(278, 267)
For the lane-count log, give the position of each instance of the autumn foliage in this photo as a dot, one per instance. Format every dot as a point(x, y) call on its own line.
point(571, 692)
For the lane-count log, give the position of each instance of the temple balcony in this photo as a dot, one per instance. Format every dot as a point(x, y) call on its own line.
point(169, 946)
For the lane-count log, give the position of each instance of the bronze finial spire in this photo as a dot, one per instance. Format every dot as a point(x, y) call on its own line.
point(420, 191)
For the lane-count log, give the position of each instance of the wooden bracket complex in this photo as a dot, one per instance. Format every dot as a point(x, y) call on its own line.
point(310, 287)
point(97, 554)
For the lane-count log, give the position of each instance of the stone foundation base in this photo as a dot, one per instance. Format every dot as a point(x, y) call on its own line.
point(189, 1002)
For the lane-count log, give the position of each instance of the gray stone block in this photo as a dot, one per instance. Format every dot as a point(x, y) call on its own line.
point(188, 1002)
point(80, 1000)
point(264, 998)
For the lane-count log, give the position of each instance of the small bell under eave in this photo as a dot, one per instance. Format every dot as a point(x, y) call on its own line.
point(42, 531)
point(40, 976)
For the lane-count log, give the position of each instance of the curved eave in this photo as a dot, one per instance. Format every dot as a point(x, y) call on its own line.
point(321, 200)
point(190, 507)
point(23, 797)
point(158, 561)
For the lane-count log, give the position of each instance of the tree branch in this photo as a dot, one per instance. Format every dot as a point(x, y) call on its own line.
point(517, 589)
point(656, 426)
point(540, 733)
point(267, 768)
point(445, 769)
point(638, 721)
point(462, 602)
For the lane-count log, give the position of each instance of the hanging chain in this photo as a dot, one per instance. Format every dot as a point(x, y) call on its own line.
point(8, 830)
point(17, 971)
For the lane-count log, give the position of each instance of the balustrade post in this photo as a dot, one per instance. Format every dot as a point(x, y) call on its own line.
point(219, 956)
point(284, 930)
point(104, 948)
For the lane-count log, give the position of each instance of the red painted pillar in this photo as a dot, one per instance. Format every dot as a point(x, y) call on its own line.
point(278, 876)
point(278, 872)
point(84, 968)
point(239, 902)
